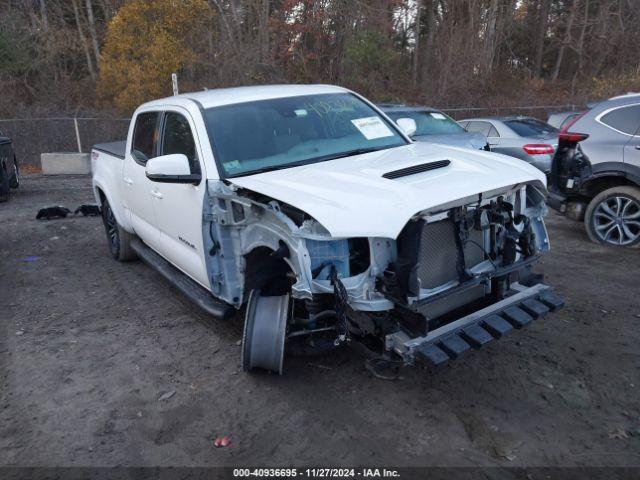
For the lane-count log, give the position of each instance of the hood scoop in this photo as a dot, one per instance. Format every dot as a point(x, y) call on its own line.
point(413, 170)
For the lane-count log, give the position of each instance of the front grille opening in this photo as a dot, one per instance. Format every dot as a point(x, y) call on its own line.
point(415, 169)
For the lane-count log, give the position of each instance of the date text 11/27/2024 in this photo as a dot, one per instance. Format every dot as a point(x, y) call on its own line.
point(316, 472)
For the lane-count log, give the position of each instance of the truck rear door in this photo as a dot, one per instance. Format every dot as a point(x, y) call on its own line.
point(139, 191)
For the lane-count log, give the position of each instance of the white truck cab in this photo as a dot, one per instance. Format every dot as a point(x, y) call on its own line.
point(311, 211)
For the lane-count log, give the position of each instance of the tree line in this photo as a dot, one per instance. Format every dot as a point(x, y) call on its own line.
point(81, 55)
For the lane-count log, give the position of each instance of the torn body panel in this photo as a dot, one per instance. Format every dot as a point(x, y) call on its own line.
point(445, 259)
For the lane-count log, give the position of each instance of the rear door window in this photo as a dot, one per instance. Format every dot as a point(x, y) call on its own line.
point(623, 119)
point(145, 137)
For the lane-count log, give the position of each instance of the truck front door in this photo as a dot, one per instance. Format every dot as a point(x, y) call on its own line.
point(139, 191)
point(178, 207)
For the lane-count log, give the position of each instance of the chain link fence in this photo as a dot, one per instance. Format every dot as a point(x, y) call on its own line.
point(33, 136)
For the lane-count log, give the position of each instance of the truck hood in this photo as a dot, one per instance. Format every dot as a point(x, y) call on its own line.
point(351, 198)
point(474, 140)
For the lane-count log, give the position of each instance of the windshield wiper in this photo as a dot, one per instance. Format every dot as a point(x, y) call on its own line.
point(270, 168)
point(351, 153)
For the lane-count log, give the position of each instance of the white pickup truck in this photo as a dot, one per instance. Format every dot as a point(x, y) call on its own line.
point(306, 207)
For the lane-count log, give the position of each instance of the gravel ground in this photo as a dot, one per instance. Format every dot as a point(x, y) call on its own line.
point(103, 363)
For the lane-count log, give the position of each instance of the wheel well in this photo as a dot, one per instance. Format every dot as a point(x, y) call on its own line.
point(600, 184)
point(267, 271)
point(101, 195)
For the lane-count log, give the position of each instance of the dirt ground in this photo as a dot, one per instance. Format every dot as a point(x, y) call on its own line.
point(89, 346)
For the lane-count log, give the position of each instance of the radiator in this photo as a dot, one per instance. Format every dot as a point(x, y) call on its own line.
point(438, 253)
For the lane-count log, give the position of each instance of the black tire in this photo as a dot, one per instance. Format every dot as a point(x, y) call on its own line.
point(118, 239)
point(613, 217)
point(14, 182)
point(5, 190)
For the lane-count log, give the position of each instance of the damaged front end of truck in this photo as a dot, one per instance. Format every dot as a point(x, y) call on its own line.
point(457, 276)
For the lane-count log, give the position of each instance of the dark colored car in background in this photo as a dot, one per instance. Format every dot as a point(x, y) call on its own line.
point(526, 138)
point(9, 176)
point(436, 127)
point(596, 171)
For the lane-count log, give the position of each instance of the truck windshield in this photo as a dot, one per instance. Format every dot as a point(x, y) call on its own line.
point(267, 135)
point(429, 123)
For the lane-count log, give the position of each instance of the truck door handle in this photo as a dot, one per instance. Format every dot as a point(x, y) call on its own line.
point(127, 180)
point(637, 147)
point(157, 194)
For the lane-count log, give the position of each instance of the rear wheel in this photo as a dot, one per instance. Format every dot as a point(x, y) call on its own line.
point(15, 174)
point(118, 239)
point(613, 217)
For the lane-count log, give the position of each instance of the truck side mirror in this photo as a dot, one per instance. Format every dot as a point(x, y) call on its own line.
point(172, 168)
point(407, 125)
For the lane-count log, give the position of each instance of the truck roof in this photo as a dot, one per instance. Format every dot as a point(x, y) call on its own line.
point(228, 96)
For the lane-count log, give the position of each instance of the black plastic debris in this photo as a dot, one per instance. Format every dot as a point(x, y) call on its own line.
point(48, 213)
point(88, 210)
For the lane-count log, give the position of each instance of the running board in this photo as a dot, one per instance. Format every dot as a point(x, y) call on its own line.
point(189, 288)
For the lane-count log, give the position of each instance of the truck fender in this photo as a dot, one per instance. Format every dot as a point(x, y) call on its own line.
point(99, 192)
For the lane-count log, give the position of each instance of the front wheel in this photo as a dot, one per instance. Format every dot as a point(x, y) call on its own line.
point(119, 240)
point(265, 330)
point(613, 217)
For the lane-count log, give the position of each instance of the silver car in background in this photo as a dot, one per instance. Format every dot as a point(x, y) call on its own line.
point(526, 138)
point(436, 127)
point(560, 119)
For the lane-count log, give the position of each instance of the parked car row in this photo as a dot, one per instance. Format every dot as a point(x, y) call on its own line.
point(591, 157)
point(525, 138)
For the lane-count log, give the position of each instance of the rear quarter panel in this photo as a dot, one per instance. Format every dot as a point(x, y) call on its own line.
point(107, 178)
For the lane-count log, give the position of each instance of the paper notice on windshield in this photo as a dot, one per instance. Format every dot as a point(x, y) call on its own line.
point(372, 127)
point(437, 116)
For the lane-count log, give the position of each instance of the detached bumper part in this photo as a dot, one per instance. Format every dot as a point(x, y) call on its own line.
point(476, 336)
point(517, 317)
point(480, 328)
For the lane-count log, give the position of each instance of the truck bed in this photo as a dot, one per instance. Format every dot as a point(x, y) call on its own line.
point(116, 149)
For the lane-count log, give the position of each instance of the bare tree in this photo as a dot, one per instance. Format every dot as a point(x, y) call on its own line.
point(92, 31)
